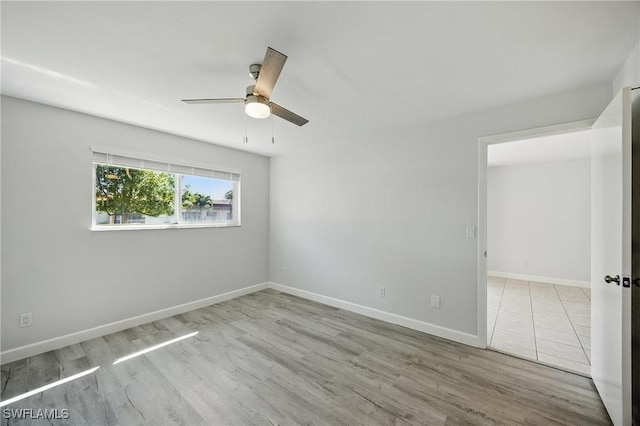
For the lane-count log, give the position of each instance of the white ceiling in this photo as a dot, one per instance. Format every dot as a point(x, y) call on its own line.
point(559, 147)
point(353, 67)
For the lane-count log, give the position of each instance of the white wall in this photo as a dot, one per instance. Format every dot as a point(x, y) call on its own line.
point(329, 234)
point(540, 213)
point(73, 279)
point(629, 73)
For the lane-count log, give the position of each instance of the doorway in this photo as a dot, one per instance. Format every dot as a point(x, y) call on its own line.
point(544, 322)
point(534, 205)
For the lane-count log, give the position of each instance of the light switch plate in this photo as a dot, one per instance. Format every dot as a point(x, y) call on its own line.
point(471, 232)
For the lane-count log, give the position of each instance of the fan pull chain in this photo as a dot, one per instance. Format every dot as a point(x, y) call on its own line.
point(246, 136)
point(273, 140)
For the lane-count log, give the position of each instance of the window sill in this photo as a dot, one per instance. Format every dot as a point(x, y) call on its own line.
point(109, 228)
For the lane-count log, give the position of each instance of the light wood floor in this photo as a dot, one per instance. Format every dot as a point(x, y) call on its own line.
point(270, 358)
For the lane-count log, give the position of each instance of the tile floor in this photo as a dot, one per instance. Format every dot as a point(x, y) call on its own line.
point(545, 322)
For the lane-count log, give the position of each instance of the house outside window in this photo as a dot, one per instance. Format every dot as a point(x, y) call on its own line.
point(135, 193)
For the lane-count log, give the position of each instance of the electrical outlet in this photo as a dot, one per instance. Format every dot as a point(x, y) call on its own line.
point(435, 301)
point(25, 319)
point(524, 264)
point(382, 292)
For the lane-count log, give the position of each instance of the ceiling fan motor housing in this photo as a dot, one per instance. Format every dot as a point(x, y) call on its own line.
point(251, 93)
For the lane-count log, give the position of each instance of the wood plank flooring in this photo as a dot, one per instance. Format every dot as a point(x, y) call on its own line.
point(271, 358)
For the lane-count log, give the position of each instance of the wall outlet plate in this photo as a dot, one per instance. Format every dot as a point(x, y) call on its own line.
point(382, 292)
point(25, 319)
point(435, 301)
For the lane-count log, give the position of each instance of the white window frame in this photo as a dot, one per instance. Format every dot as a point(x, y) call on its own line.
point(178, 169)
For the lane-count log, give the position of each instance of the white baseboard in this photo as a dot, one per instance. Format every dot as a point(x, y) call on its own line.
point(425, 327)
point(91, 333)
point(540, 279)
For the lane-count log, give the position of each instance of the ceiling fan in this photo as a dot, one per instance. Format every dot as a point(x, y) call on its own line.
point(257, 100)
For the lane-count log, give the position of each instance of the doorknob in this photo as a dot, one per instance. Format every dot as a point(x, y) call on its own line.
point(609, 279)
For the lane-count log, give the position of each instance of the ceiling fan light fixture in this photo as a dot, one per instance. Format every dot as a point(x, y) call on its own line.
point(257, 102)
point(257, 107)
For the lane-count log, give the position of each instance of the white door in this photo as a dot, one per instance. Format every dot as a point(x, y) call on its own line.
point(611, 256)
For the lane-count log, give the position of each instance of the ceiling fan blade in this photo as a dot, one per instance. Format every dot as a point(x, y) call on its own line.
point(213, 101)
point(271, 68)
point(287, 115)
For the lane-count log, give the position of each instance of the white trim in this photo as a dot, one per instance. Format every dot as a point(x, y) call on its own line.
point(482, 244)
point(102, 330)
point(177, 201)
point(94, 214)
point(183, 225)
point(540, 279)
point(554, 129)
point(236, 204)
point(483, 144)
point(92, 333)
point(425, 327)
point(150, 156)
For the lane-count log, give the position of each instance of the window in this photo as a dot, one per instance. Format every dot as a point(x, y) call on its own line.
point(134, 193)
point(203, 198)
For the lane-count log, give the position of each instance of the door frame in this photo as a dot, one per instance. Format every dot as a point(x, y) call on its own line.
point(483, 145)
point(635, 261)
